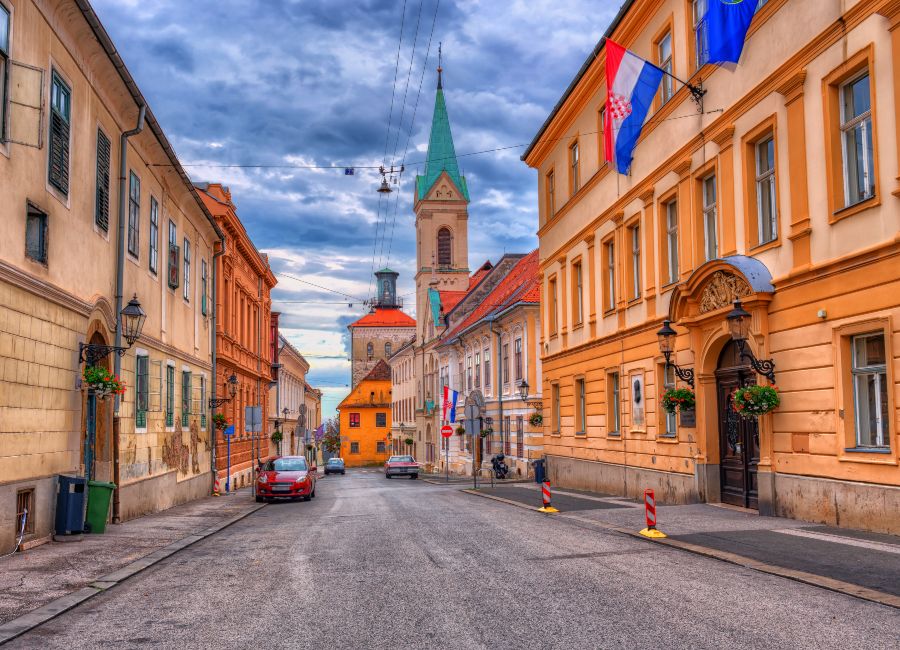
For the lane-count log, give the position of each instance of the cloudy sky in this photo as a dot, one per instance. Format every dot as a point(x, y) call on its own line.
point(258, 94)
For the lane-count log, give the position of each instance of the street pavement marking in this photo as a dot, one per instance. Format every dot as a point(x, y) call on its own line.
point(840, 539)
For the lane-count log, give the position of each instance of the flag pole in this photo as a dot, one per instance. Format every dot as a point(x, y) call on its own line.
point(697, 92)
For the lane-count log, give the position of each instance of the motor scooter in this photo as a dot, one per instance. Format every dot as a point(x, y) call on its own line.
point(501, 469)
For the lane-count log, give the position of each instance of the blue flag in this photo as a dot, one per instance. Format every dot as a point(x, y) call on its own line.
point(727, 22)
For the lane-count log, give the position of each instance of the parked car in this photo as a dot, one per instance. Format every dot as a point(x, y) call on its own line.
point(335, 466)
point(286, 477)
point(401, 466)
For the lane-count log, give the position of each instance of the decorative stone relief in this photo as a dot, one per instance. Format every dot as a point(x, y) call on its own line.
point(721, 290)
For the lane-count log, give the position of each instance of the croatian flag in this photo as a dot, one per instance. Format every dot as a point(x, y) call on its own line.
point(631, 84)
point(449, 405)
point(727, 22)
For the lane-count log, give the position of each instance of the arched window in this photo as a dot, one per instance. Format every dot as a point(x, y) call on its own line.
point(370, 350)
point(387, 349)
point(444, 247)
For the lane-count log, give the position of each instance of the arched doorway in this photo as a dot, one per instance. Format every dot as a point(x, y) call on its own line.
point(738, 436)
point(96, 431)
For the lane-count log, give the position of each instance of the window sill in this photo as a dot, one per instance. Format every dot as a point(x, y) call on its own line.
point(634, 301)
point(868, 450)
point(577, 326)
point(853, 209)
point(759, 248)
point(868, 455)
point(668, 439)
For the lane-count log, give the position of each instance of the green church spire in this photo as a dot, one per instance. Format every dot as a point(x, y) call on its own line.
point(441, 152)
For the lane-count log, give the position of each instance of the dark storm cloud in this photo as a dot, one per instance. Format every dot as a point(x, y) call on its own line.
point(308, 82)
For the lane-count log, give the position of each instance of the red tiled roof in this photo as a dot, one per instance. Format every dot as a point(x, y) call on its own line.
point(479, 274)
point(382, 317)
point(521, 284)
point(450, 299)
point(381, 371)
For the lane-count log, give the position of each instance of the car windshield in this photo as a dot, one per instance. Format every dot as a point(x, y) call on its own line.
point(401, 459)
point(286, 465)
point(335, 461)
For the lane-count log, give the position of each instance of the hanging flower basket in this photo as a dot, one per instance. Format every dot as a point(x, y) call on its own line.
point(409, 442)
point(101, 382)
point(536, 419)
point(277, 436)
point(219, 421)
point(676, 399)
point(753, 401)
point(460, 430)
point(486, 432)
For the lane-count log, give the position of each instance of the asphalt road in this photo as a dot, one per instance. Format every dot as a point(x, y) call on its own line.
point(372, 563)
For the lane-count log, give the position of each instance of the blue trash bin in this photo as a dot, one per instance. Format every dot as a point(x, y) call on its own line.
point(539, 470)
point(70, 505)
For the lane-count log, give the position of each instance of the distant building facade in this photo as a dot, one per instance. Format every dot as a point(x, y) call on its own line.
point(365, 417)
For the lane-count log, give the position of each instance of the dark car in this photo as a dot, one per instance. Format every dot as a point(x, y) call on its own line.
point(335, 466)
point(286, 477)
point(401, 466)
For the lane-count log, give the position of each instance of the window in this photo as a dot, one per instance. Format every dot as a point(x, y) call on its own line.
point(671, 246)
point(550, 188)
point(354, 420)
point(101, 207)
point(354, 447)
point(766, 211)
point(870, 391)
point(381, 419)
point(60, 115)
point(174, 254)
point(134, 213)
point(380, 448)
point(203, 403)
point(187, 269)
point(554, 405)
point(370, 351)
point(154, 236)
point(610, 252)
point(518, 358)
point(573, 167)
point(580, 404)
point(710, 237)
point(664, 56)
point(445, 247)
point(487, 368)
point(505, 435)
point(478, 370)
point(170, 396)
point(469, 372)
point(634, 234)
point(612, 402)
point(578, 293)
point(505, 362)
point(552, 305)
point(25, 511)
point(142, 390)
point(387, 349)
point(520, 436)
point(670, 425)
point(185, 397)
point(36, 234)
point(856, 140)
point(4, 61)
point(204, 279)
point(701, 39)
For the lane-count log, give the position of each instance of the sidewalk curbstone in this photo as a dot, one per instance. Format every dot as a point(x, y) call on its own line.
point(35, 618)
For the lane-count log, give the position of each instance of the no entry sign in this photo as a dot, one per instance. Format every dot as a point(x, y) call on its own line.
point(446, 431)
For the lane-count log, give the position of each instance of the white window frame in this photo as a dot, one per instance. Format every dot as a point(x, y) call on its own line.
point(665, 64)
point(615, 405)
point(710, 218)
point(636, 260)
point(581, 396)
point(611, 275)
point(672, 239)
point(864, 121)
point(764, 178)
point(701, 39)
point(671, 419)
point(574, 166)
point(579, 294)
point(186, 261)
point(879, 371)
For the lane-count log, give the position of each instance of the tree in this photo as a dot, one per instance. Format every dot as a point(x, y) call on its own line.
point(331, 441)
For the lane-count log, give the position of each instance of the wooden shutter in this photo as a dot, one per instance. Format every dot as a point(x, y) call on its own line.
point(155, 383)
point(26, 105)
point(101, 215)
point(59, 152)
point(174, 259)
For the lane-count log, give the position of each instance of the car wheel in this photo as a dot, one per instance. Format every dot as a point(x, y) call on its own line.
point(413, 476)
point(343, 472)
point(259, 499)
point(307, 498)
point(387, 476)
point(312, 494)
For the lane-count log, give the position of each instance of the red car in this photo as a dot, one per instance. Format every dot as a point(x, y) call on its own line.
point(401, 466)
point(286, 477)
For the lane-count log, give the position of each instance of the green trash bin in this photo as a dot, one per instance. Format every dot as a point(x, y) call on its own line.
point(99, 494)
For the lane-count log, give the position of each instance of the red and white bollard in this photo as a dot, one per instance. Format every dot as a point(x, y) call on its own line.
point(216, 488)
point(650, 514)
point(545, 497)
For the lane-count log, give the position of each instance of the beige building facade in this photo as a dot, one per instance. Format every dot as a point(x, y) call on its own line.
point(783, 194)
point(58, 278)
point(403, 402)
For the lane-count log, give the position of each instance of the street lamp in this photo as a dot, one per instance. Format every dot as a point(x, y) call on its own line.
point(523, 389)
point(385, 187)
point(132, 320)
point(231, 383)
point(739, 326)
point(666, 336)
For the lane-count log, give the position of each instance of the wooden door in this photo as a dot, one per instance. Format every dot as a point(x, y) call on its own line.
point(738, 436)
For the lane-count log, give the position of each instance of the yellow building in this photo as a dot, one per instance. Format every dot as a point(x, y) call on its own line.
point(365, 416)
point(781, 193)
point(69, 252)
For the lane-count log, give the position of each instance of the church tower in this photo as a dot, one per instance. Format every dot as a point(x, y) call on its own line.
point(441, 206)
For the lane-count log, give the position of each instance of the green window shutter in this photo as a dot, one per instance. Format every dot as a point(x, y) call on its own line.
point(142, 390)
point(170, 396)
point(60, 112)
point(101, 210)
point(185, 398)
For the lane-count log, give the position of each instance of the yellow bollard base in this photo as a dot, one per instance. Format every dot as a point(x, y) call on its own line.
point(653, 533)
point(548, 509)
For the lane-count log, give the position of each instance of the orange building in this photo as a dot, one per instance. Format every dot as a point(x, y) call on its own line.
point(781, 192)
point(365, 416)
point(246, 335)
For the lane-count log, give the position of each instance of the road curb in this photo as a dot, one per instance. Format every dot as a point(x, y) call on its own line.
point(47, 612)
point(823, 582)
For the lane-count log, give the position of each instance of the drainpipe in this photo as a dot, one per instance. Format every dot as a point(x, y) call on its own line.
point(215, 335)
point(120, 283)
point(499, 378)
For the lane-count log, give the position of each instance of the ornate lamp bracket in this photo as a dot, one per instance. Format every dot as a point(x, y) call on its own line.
point(684, 374)
point(764, 367)
point(216, 403)
point(91, 353)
